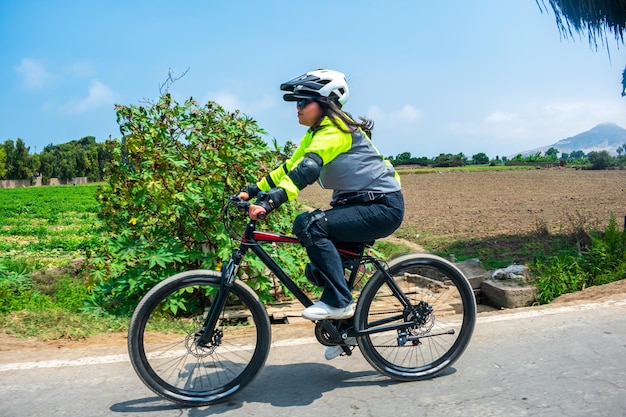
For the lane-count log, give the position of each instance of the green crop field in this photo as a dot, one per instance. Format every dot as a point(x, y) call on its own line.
point(48, 225)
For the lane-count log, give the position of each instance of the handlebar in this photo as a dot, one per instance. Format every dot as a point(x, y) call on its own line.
point(243, 205)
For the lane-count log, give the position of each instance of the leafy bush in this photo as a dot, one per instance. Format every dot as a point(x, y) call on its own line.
point(600, 160)
point(21, 288)
point(598, 262)
point(70, 294)
point(166, 186)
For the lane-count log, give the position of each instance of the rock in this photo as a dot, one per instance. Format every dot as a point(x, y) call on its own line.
point(75, 265)
point(509, 288)
point(512, 272)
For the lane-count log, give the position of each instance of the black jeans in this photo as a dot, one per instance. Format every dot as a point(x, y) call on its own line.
point(350, 223)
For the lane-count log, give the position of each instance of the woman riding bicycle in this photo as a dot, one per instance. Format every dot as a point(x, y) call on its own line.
point(336, 150)
point(216, 333)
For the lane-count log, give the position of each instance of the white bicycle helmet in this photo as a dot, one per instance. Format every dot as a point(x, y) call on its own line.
point(318, 83)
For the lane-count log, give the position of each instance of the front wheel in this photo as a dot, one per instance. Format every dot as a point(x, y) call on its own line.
point(163, 333)
point(421, 318)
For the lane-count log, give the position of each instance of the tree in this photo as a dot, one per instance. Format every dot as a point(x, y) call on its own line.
point(600, 160)
point(480, 158)
point(598, 18)
point(403, 158)
point(444, 160)
point(459, 160)
point(19, 164)
point(552, 153)
point(77, 158)
point(3, 163)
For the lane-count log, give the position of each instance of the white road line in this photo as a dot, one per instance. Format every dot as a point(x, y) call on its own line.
point(60, 363)
point(538, 312)
point(99, 360)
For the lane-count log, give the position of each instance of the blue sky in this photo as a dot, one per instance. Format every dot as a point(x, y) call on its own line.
point(487, 76)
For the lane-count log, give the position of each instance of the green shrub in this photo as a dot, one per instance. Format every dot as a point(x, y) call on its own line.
point(601, 261)
point(25, 285)
point(162, 204)
point(70, 294)
point(19, 295)
point(559, 275)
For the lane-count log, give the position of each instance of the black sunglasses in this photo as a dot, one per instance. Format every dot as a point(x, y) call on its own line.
point(303, 102)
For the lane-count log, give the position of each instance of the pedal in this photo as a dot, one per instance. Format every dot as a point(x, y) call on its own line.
point(331, 331)
point(347, 350)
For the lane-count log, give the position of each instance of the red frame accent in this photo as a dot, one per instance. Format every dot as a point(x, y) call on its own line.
point(274, 237)
point(280, 238)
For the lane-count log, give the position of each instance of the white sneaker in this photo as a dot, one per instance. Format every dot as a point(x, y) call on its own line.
point(322, 311)
point(333, 351)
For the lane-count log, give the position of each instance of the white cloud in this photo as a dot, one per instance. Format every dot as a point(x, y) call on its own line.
point(231, 101)
point(225, 99)
point(99, 95)
point(404, 118)
point(540, 124)
point(34, 74)
point(81, 69)
point(498, 116)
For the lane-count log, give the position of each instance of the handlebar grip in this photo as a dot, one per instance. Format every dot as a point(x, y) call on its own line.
point(262, 216)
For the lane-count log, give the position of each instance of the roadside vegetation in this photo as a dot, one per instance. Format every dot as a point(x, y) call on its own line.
point(47, 281)
point(75, 260)
point(576, 258)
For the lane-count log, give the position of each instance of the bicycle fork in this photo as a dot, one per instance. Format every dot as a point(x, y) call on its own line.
point(209, 335)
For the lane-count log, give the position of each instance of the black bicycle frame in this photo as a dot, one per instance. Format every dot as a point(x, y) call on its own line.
point(248, 242)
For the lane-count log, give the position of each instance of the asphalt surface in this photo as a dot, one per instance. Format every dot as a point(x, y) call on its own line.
point(554, 361)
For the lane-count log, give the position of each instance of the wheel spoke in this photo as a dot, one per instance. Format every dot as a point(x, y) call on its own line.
point(441, 316)
point(164, 349)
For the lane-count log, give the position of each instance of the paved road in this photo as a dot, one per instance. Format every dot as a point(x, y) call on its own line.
point(556, 361)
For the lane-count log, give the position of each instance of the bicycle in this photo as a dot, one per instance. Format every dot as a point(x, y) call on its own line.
point(414, 317)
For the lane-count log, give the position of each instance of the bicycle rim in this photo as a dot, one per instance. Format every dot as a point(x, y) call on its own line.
point(442, 314)
point(162, 339)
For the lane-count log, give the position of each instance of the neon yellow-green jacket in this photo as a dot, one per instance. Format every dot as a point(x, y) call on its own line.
point(351, 163)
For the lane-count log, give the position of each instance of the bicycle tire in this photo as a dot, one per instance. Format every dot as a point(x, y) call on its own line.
point(426, 348)
point(162, 345)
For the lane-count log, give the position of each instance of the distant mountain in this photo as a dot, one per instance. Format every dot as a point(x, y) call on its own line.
point(603, 137)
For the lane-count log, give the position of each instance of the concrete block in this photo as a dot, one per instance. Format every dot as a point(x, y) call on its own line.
point(473, 271)
point(503, 294)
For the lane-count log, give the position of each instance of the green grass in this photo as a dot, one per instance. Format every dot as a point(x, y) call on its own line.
point(53, 324)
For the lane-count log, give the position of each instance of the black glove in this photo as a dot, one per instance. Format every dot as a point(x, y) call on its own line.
point(252, 190)
point(271, 199)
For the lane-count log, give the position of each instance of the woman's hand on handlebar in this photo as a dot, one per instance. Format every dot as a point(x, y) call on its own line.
point(256, 212)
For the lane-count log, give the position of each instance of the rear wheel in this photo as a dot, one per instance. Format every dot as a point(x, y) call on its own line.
point(163, 332)
point(439, 321)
